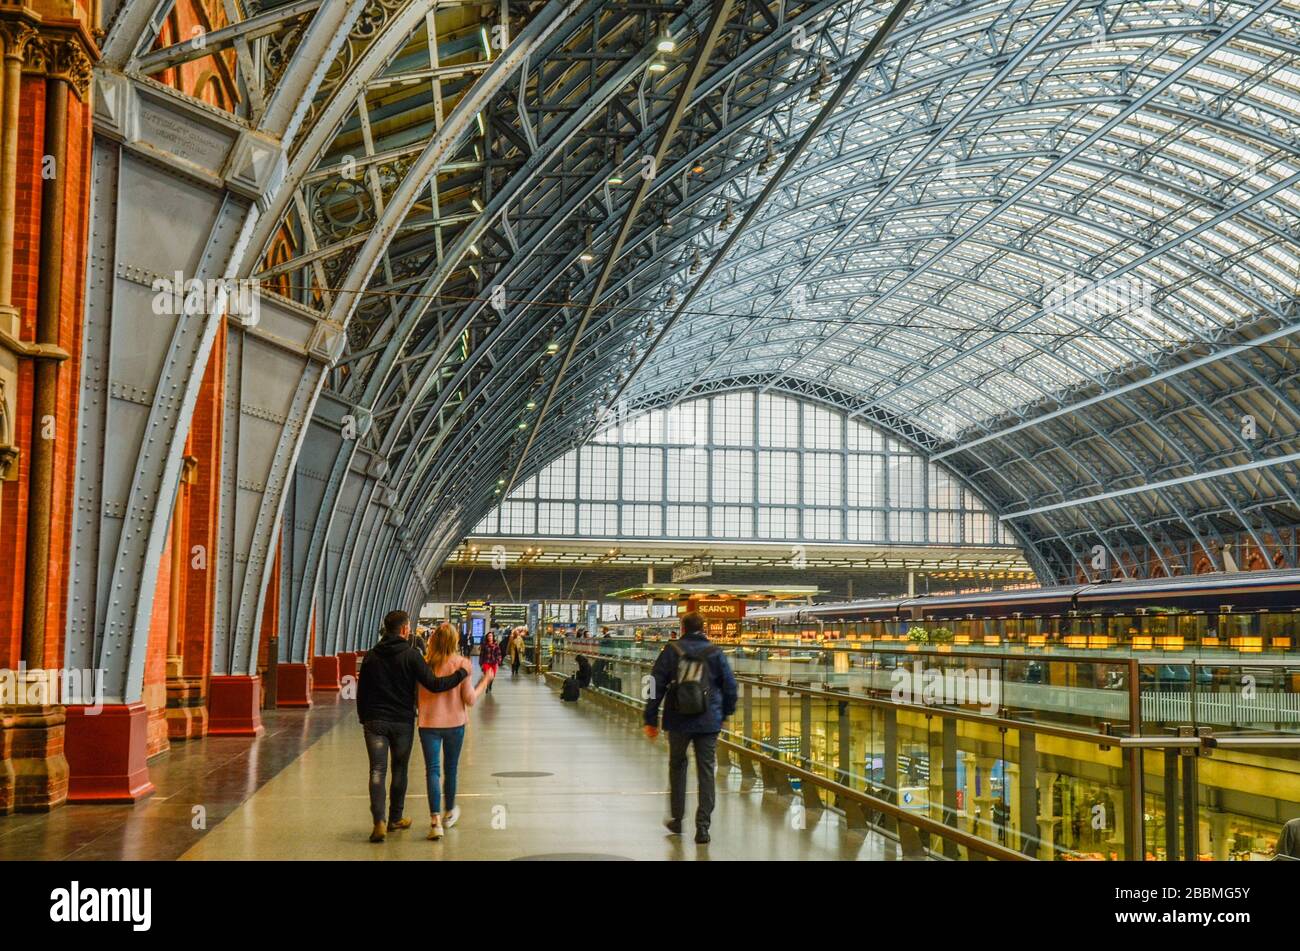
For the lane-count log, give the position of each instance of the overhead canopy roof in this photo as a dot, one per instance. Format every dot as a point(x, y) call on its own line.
point(1052, 243)
point(680, 592)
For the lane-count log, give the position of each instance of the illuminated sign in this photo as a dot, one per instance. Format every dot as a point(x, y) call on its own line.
point(717, 609)
point(700, 566)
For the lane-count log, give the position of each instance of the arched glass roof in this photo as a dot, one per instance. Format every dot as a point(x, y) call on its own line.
point(1052, 243)
point(745, 467)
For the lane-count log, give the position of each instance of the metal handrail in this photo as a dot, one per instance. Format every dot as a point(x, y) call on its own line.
point(1101, 739)
point(921, 823)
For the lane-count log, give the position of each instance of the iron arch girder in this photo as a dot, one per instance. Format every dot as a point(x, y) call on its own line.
point(140, 382)
point(1163, 436)
point(399, 206)
point(496, 437)
point(214, 175)
point(310, 485)
point(270, 392)
point(533, 167)
point(347, 536)
point(1082, 462)
point(1189, 63)
point(329, 118)
point(502, 200)
point(1194, 265)
point(361, 569)
point(1170, 502)
point(336, 560)
point(706, 90)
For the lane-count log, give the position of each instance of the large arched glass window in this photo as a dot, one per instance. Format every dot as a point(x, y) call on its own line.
point(746, 467)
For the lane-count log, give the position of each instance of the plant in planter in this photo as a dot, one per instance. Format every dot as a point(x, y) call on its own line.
point(935, 635)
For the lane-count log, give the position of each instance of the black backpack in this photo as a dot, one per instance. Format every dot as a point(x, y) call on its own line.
point(688, 694)
point(570, 690)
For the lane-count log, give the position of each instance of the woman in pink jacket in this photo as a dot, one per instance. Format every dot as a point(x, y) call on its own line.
point(442, 725)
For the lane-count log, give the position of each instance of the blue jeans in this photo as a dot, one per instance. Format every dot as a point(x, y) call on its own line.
point(450, 740)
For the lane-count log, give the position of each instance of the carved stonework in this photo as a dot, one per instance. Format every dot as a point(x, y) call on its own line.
point(61, 57)
point(17, 36)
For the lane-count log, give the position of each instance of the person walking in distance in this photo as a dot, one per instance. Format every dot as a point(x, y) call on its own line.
point(489, 655)
point(694, 683)
point(516, 649)
point(507, 635)
point(443, 717)
point(386, 705)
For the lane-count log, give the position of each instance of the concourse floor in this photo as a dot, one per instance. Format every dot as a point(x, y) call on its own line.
point(539, 779)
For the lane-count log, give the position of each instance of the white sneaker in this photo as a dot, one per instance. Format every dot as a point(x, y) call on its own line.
point(452, 817)
point(435, 829)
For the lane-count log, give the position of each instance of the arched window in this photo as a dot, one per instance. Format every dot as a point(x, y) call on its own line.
point(746, 466)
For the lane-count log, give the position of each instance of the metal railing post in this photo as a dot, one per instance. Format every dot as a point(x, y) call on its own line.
point(890, 780)
point(1029, 794)
point(1171, 804)
point(949, 776)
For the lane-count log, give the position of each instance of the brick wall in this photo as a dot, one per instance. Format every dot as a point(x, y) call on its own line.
point(270, 612)
point(203, 510)
point(14, 495)
point(155, 665)
point(75, 228)
point(212, 78)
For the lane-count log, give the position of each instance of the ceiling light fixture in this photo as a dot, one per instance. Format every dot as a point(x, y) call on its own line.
point(823, 79)
point(616, 177)
point(666, 43)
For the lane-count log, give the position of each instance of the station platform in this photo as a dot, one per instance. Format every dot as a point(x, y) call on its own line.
point(539, 779)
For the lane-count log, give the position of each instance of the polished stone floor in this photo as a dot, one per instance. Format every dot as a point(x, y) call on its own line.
point(539, 779)
point(215, 775)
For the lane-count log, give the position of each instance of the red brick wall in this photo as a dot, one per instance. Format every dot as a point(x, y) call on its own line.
point(14, 495)
point(155, 665)
point(211, 78)
point(270, 612)
point(204, 503)
point(76, 228)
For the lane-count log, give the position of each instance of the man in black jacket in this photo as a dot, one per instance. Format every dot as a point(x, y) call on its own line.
point(386, 703)
point(707, 666)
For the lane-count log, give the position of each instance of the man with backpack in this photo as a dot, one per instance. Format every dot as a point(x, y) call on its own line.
point(698, 690)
